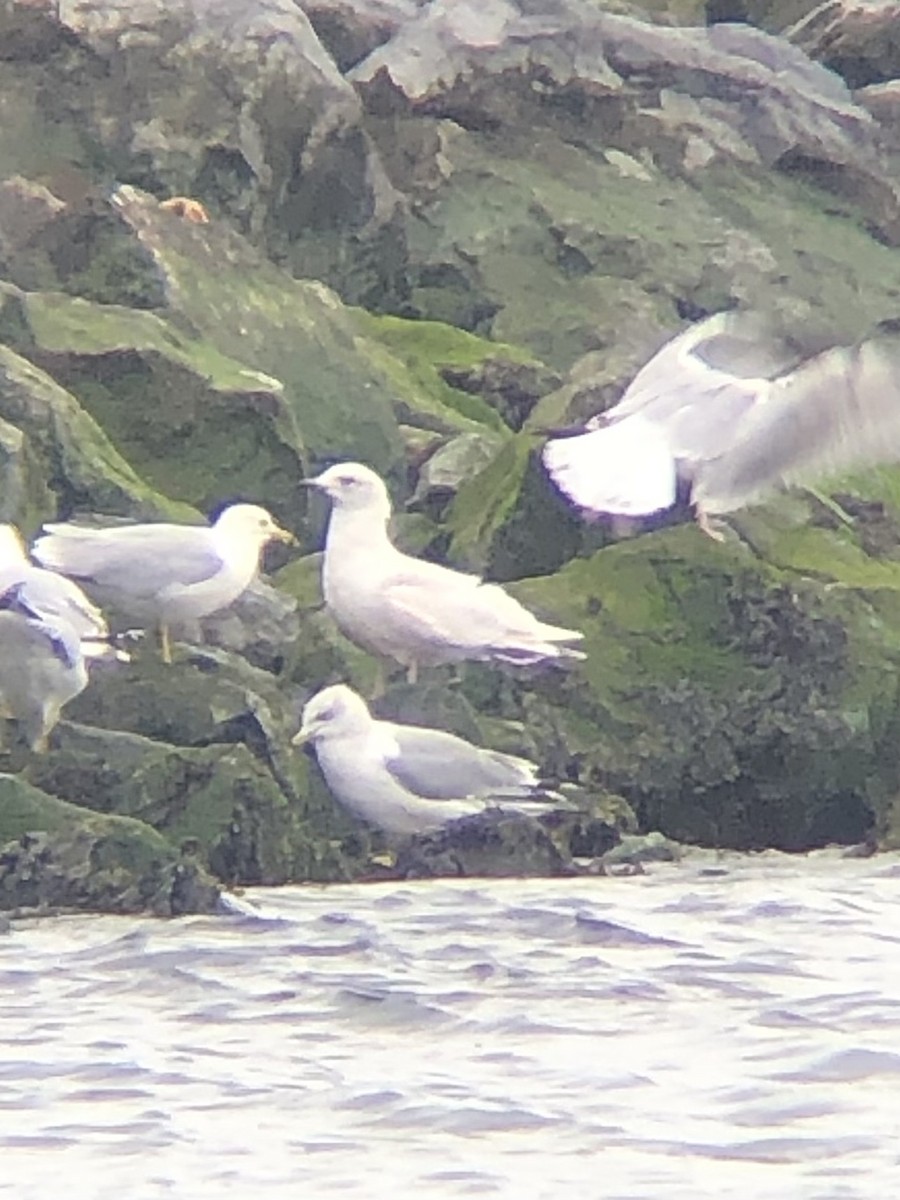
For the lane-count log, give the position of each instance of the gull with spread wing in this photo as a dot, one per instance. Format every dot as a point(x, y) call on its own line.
point(728, 412)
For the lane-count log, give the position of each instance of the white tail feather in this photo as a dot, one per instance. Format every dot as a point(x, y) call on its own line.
point(625, 468)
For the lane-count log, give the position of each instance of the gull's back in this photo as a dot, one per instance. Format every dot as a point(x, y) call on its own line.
point(142, 570)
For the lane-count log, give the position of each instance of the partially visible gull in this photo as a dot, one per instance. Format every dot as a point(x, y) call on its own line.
point(163, 574)
point(414, 611)
point(726, 412)
point(42, 662)
point(407, 779)
point(50, 595)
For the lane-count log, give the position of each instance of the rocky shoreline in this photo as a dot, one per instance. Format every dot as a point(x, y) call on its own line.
point(433, 233)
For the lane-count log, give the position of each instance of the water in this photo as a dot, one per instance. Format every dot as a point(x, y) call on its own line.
point(683, 1035)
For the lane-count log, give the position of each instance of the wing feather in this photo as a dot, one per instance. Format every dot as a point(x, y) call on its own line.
point(138, 560)
point(437, 765)
point(838, 411)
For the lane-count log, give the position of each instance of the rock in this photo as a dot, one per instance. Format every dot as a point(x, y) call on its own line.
point(336, 394)
point(26, 208)
point(490, 845)
point(568, 184)
point(200, 750)
point(509, 520)
point(615, 147)
point(261, 625)
point(882, 100)
point(457, 460)
point(236, 105)
point(58, 458)
point(729, 702)
point(513, 389)
point(351, 29)
point(771, 15)
point(180, 393)
point(637, 849)
point(858, 40)
point(75, 244)
point(54, 855)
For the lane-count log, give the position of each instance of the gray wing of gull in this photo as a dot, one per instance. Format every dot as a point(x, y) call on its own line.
point(139, 561)
point(838, 411)
point(701, 384)
point(56, 598)
point(440, 766)
point(44, 632)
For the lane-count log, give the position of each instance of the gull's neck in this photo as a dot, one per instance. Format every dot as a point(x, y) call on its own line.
point(241, 555)
point(363, 530)
point(12, 549)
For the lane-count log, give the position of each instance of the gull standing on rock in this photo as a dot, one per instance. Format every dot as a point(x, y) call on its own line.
point(414, 611)
point(728, 412)
point(164, 574)
point(408, 779)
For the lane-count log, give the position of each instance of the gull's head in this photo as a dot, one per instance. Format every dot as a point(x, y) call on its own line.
point(352, 486)
point(12, 548)
point(334, 712)
point(250, 524)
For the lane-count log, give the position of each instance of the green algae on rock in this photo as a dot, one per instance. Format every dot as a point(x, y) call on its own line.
point(67, 459)
point(55, 855)
point(185, 416)
point(730, 703)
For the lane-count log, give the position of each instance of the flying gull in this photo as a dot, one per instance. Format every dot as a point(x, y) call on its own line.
point(408, 779)
point(726, 413)
point(163, 574)
point(414, 611)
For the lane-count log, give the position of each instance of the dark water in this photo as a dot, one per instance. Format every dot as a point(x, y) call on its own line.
point(688, 1034)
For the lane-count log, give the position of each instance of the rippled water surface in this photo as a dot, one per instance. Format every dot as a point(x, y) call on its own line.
point(693, 1033)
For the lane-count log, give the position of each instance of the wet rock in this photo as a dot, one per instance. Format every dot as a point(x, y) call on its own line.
point(490, 845)
point(635, 849)
point(54, 855)
point(771, 701)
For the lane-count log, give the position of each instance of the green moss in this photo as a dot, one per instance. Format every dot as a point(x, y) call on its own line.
point(421, 351)
point(187, 416)
point(340, 401)
point(26, 809)
point(77, 461)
